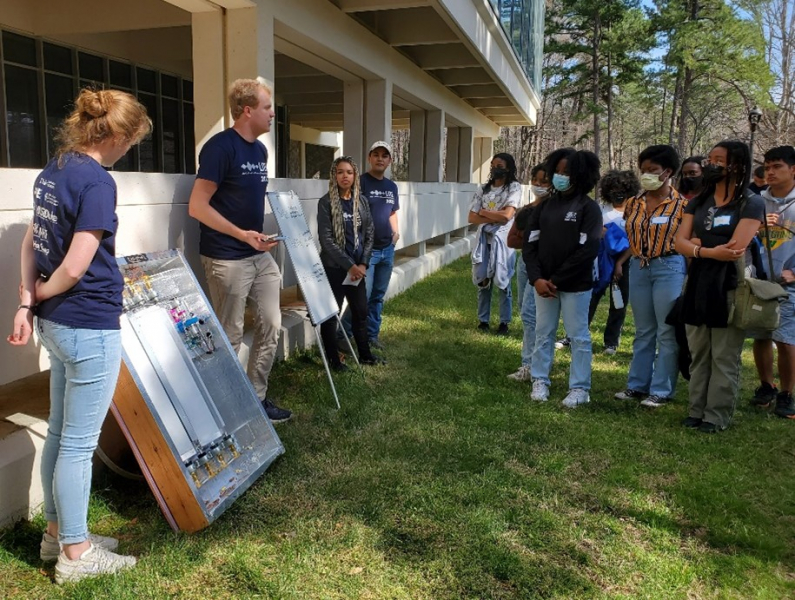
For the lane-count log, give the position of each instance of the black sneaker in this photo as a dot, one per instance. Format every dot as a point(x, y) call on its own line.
point(339, 367)
point(707, 427)
point(764, 395)
point(692, 422)
point(373, 360)
point(276, 414)
point(629, 394)
point(785, 407)
point(503, 329)
point(562, 343)
point(376, 343)
point(483, 326)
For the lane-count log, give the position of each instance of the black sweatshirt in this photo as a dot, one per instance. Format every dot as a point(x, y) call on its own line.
point(562, 242)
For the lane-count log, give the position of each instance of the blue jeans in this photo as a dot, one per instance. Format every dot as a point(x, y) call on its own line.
point(521, 279)
point(379, 272)
point(484, 304)
point(574, 307)
point(84, 367)
point(527, 310)
point(652, 293)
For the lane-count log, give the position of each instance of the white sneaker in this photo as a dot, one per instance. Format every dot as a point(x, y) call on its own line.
point(540, 391)
point(610, 350)
point(50, 548)
point(522, 374)
point(94, 562)
point(576, 397)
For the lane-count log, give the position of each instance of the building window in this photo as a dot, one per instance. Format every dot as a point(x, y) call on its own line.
point(38, 84)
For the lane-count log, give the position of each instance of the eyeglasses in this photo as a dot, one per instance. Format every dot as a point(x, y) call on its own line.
point(706, 162)
point(709, 221)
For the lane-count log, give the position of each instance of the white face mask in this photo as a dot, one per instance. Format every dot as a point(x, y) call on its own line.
point(651, 182)
point(539, 191)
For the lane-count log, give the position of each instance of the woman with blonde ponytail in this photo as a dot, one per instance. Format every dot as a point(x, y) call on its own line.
point(71, 283)
point(346, 233)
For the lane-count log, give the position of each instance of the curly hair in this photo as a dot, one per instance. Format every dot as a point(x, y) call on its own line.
point(617, 186)
point(99, 115)
point(510, 163)
point(661, 154)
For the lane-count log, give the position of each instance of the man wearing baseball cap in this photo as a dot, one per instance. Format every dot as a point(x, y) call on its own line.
point(382, 195)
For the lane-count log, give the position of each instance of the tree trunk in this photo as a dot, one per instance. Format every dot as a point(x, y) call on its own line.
point(683, 107)
point(610, 150)
point(675, 105)
point(595, 83)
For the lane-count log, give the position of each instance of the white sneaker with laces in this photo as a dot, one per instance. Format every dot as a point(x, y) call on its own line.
point(50, 548)
point(93, 562)
point(522, 374)
point(576, 397)
point(540, 391)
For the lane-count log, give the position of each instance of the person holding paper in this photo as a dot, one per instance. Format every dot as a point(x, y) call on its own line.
point(346, 232)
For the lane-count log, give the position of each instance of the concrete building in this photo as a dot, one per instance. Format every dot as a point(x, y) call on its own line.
point(344, 72)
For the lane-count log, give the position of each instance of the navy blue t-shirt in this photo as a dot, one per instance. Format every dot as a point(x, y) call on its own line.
point(382, 195)
point(356, 252)
point(80, 196)
point(240, 170)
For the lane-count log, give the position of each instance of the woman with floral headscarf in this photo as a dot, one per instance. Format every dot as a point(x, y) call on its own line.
point(345, 229)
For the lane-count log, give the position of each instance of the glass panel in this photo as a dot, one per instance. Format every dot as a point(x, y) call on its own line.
point(59, 97)
point(172, 158)
point(190, 140)
point(169, 86)
point(120, 74)
point(23, 117)
point(187, 90)
point(58, 58)
point(126, 162)
point(147, 80)
point(148, 149)
point(19, 49)
point(91, 67)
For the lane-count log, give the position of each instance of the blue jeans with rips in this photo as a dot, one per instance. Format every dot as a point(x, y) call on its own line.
point(84, 367)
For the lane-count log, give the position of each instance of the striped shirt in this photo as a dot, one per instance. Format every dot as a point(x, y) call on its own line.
point(652, 235)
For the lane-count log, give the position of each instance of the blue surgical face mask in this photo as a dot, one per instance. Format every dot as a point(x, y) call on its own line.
point(561, 182)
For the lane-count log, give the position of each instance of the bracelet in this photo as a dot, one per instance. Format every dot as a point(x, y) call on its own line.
point(698, 251)
point(695, 250)
point(30, 307)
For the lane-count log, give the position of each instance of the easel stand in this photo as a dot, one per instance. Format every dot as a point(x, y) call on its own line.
point(325, 358)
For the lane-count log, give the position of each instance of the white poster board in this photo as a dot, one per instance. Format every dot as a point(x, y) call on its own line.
point(303, 253)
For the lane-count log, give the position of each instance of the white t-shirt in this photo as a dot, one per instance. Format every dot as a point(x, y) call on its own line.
point(497, 198)
point(611, 215)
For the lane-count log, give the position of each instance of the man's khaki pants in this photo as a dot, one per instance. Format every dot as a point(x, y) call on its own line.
point(231, 283)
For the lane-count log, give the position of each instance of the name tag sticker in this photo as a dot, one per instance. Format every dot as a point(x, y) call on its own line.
point(723, 220)
point(660, 220)
point(583, 238)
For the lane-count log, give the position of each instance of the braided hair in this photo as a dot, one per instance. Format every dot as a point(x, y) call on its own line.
point(336, 206)
point(738, 168)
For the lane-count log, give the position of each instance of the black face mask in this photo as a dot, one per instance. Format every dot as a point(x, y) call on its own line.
point(499, 173)
point(713, 174)
point(690, 184)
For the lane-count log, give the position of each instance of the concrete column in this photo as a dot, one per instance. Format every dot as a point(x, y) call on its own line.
point(261, 50)
point(209, 83)
point(417, 145)
point(465, 151)
point(481, 163)
point(378, 111)
point(434, 145)
point(451, 155)
point(353, 120)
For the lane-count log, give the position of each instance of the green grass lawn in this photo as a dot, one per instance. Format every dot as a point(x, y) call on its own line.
point(439, 478)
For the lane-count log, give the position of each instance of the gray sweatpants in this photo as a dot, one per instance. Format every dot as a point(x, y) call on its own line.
point(231, 283)
point(714, 372)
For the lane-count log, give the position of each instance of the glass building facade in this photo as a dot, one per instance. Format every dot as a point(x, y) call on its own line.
point(39, 81)
point(523, 23)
